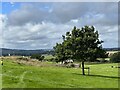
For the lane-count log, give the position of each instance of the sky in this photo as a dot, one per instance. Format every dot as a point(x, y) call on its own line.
point(30, 25)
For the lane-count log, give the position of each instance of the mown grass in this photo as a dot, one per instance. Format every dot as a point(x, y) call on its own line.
point(16, 75)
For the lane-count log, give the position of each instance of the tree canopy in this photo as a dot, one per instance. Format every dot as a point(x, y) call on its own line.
point(80, 44)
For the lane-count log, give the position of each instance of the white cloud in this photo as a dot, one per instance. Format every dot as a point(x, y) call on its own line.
point(3, 22)
point(29, 36)
point(31, 27)
point(109, 34)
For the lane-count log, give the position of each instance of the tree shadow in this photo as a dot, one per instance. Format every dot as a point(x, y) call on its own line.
point(97, 76)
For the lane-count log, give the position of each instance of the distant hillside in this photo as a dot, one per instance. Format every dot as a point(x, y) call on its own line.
point(112, 49)
point(6, 52)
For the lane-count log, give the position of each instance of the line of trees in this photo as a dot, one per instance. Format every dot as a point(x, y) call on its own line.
point(81, 45)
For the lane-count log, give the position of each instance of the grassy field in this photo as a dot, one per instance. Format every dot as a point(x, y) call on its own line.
point(0, 77)
point(15, 75)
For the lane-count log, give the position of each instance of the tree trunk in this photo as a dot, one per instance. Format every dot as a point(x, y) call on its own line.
point(83, 72)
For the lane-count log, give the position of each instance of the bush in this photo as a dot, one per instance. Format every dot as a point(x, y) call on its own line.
point(23, 58)
point(115, 58)
point(52, 59)
point(37, 56)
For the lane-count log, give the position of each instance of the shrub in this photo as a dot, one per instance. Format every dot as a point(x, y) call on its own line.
point(115, 58)
point(37, 56)
point(22, 58)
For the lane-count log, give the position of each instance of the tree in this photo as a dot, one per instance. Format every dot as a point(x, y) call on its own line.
point(115, 58)
point(80, 44)
point(60, 52)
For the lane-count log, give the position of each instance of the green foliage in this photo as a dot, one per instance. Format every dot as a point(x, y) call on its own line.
point(37, 56)
point(80, 44)
point(115, 57)
point(60, 52)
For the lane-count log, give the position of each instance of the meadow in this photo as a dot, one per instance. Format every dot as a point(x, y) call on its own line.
point(48, 75)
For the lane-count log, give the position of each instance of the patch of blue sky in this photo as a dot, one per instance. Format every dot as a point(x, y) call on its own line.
point(7, 7)
point(0, 7)
point(45, 6)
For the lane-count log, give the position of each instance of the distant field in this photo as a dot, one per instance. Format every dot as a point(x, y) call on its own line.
point(111, 52)
point(15, 75)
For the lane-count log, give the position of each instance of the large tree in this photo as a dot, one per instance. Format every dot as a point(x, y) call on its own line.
point(80, 44)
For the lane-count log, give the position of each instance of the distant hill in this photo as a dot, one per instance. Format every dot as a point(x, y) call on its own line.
point(6, 52)
point(112, 49)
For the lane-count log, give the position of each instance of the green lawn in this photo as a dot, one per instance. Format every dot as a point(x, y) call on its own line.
point(23, 76)
point(0, 77)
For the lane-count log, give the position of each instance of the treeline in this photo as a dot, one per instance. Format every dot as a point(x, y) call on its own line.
point(112, 49)
point(6, 52)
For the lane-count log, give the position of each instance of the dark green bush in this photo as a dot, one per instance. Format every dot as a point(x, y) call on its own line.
point(52, 59)
point(23, 58)
point(37, 56)
point(115, 58)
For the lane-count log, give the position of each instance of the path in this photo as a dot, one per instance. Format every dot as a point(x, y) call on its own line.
point(21, 82)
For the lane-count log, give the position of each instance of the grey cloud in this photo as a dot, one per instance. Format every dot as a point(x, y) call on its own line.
point(35, 27)
point(68, 11)
point(45, 37)
point(110, 39)
point(27, 13)
point(49, 37)
point(62, 12)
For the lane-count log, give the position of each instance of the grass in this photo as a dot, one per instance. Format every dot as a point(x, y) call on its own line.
point(0, 77)
point(16, 75)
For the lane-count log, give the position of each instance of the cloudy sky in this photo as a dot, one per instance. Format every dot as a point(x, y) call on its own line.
point(40, 25)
